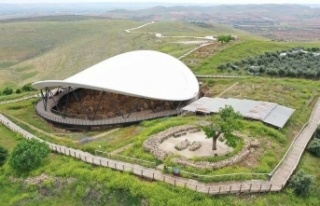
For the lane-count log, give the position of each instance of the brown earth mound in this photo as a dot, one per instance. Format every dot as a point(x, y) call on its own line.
point(107, 109)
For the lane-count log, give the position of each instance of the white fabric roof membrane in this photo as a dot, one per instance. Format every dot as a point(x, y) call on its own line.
point(147, 74)
point(268, 112)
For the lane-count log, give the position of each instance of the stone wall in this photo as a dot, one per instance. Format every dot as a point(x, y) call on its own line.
point(153, 145)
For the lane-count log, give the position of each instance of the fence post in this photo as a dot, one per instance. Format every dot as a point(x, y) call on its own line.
point(185, 185)
point(270, 187)
point(100, 162)
point(174, 182)
point(141, 173)
point(122, 168)
point(92, 160)
point(164, 178)
point(209, 190)
point(260, 188)
point(152, 176)
point(240, 188)
point(196, 188)
point(230, 189)
point(69, 153)
point(115, 165)
point(250, 188)
point(219, 190)
point(107, 163)
point(85, 158)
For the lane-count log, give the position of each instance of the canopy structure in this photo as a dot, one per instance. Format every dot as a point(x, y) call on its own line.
point(147, 74)
point(268, 112)
point(126, 88)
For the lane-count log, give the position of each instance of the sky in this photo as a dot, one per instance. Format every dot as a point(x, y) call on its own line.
point(171, 1)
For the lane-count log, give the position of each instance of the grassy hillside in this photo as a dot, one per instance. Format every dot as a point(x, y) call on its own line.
point(238, 50)
point(57, 47)
point(72, 182)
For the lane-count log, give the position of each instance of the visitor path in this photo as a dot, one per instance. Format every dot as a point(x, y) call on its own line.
point(279, 178)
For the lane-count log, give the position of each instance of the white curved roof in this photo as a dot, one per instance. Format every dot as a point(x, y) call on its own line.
point(148, 74)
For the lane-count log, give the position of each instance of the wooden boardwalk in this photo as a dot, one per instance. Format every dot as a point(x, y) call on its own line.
point(279, 178)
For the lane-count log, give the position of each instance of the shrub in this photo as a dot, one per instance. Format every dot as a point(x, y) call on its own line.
point(3, 155)
point(317, 133)
point(301, 183)
point(7, 91)
point(314, 147)
point(210, 82)
point(27, 88)
point(18, 91)
point(28, 155)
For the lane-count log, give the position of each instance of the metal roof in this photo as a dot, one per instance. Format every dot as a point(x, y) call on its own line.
point(268, 112)
point(144, 73)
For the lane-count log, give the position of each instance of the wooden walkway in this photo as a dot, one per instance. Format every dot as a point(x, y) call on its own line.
point(279, 178)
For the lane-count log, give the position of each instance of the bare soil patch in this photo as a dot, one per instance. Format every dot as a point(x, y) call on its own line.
point(204, 151)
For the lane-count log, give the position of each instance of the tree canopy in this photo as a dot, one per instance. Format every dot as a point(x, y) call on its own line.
point(28, 155)
point(228, 121)
point(224, 38)
point(3, 155)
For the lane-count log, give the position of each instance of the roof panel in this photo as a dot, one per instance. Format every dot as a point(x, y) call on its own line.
point(279, 116)
point(267, 112)
point(148, 74)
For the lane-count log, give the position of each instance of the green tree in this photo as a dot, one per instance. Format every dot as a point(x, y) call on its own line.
point(317, 133)
point(314, 147)
point(7, 91)
point(28, 155)
point(27, 87)
point(301, 183)
point(224, 38)
point(3, 155)
point(228, 121)
point(210, 132)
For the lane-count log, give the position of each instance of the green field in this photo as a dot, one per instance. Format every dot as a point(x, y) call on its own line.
point(57, 47)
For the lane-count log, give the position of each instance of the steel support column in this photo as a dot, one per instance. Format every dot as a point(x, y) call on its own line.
point(114, 105)
point(79, 101)
point(178, 105)
point(150, 106)
point(171, 105)
point(134, 108)
point(47, 97)
point(43, 100)
point(97, 108)
point(65, 111)
point(50, 92)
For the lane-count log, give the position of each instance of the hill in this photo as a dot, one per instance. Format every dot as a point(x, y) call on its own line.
point(56, 47)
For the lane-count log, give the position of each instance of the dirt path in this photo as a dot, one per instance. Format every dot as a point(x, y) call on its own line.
point(139, 27)
point(121, 149)
point(228, 89)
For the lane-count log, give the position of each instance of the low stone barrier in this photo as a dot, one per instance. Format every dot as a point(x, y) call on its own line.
point(153, 145)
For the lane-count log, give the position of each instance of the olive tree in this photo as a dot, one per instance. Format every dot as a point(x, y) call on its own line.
point(228, 121)
point(28, 155)
point(301, 183)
